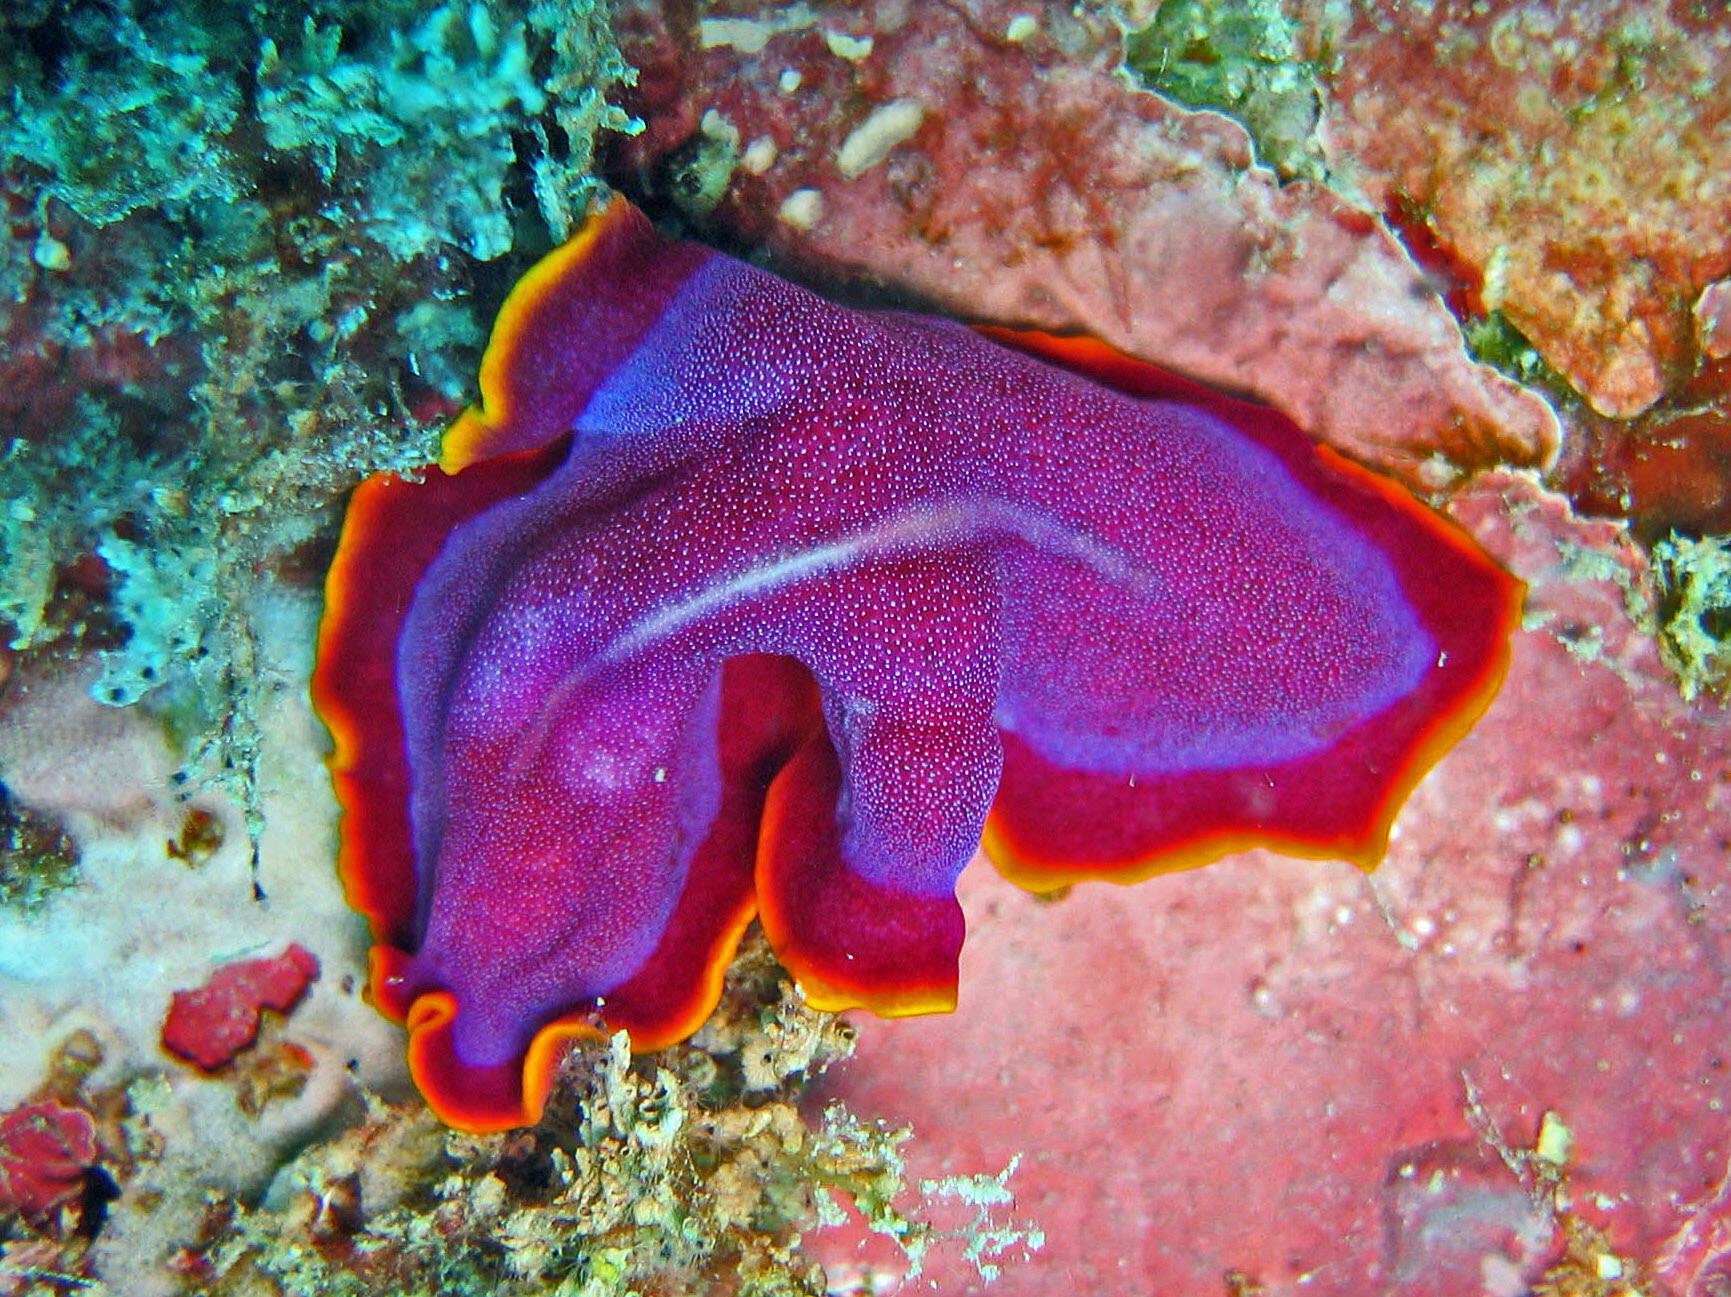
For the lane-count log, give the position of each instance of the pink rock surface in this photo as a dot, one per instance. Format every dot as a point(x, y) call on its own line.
point(1324, 1082)
point(1002, 170)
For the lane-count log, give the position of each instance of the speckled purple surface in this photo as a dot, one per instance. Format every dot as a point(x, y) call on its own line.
point(1168, 625)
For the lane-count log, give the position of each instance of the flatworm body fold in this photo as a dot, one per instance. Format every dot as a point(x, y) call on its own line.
point(730, 602)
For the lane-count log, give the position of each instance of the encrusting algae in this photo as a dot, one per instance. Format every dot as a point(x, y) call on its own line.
point(690, 1171)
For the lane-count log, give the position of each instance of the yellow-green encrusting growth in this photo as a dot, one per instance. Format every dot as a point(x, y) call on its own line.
point(691, 1171)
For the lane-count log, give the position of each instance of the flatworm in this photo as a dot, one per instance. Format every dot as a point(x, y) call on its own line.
point(727, 601)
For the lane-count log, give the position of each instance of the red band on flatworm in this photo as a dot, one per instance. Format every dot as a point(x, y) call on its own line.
point(393, 530)
point(1051, 828)
point(849, 943)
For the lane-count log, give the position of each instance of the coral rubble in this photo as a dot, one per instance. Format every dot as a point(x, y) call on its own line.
point(689, 1172)
point(1694, 612)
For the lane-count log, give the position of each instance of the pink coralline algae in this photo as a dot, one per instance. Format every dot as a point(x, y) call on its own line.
point(209, 1026)
point(991, 160)
point(46, 1149)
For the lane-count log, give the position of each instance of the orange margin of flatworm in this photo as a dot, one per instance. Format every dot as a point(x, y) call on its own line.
point(823, 993)
point(834, 997)
point(345, 586)
point(465, 441)
point(341, 591)
point(709, 987)
point(434, 1009)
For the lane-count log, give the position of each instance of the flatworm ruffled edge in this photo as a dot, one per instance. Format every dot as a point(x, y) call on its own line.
point(560, 317)
point(1363, 842)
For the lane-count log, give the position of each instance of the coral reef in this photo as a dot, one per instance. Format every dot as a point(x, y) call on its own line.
point(244, 253)
point(1570, 163)
point(692, 1171)
point(1573, 157)
point(248, 257)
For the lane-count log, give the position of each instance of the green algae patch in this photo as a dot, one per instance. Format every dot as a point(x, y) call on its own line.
point(1694, 613)
point(1493, 341)
point(1242, 60)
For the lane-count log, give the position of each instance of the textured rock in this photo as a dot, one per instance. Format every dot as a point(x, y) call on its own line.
point(1021, 180)
point(1573, 155)
point(1713, 320)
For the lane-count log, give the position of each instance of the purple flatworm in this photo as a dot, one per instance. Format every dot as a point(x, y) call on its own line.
point(728, 601)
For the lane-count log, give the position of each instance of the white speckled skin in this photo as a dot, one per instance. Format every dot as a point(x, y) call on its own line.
point(958, 540)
